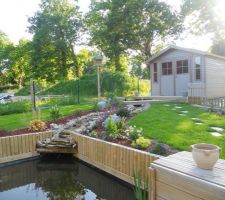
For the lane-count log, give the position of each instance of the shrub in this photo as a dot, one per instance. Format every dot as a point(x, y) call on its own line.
point(37, 125)
point(54, 112)
point(133, 132)
point(111, 127)
point(15, 107)
point(141, 143)
point(121, 124)
point(123, 112)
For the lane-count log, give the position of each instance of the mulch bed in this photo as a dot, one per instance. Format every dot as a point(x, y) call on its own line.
point(62, 120)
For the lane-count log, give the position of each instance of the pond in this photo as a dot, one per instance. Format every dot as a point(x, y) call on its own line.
point(59, 178)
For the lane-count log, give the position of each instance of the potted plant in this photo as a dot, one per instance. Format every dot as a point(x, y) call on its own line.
point(205, 155)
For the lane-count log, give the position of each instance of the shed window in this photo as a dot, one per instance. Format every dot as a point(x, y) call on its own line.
point(198, 68)
point(167, 68)
point(182, 66)
point(155, 74)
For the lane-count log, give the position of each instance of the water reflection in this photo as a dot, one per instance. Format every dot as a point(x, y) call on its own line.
point(56, 178)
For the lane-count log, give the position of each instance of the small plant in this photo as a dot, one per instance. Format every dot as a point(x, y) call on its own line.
point(96, 107)
point(141, 143)
point(140, 188)
point(111, 127)
point(37, 125)
point(121, 124)
point(54, 112)
point(133, 132)
point(93, 133)
point(123, 112)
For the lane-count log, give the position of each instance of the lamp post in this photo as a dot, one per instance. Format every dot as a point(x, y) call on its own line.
point(98, 60)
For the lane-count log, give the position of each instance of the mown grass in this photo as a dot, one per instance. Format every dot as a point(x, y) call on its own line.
point(21, 120)
point(162, 123)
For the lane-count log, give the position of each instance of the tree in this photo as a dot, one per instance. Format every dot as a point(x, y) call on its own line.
point(20, 67)
point(117, 26)
point(6, 46)
point(204, 16)
point(218, 46)
point(56, 29)
point(109, 26)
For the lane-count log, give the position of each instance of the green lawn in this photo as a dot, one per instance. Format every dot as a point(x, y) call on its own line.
point(15, 121)
point(162, 123)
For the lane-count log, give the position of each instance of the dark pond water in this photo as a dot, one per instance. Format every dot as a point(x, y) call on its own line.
point(57, 178)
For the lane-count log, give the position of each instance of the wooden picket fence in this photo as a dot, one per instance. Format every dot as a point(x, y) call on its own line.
point(20, 146)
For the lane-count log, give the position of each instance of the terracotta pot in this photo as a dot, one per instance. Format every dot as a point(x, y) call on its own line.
point(205, 155)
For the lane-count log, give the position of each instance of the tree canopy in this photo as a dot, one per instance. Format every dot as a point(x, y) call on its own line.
point(56, 29)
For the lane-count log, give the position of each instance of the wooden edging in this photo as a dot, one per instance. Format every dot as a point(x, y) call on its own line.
point(19, 147)
point(115, 159)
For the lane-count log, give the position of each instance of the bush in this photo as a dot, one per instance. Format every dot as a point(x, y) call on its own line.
point(141, 143)
point(54, 113)
point(121, 124)
point(37, 125)
point(8, 87)
point(123, 112)
point(112, 84)
point(134, 132)
point(111, 127)
point(15, 107)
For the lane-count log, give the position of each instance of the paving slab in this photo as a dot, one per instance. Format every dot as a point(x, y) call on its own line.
point(184, 111)
point(217, 128)
point(215, 134)
point(199, 123)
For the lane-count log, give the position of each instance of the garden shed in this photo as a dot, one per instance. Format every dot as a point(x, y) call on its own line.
point(178, 71)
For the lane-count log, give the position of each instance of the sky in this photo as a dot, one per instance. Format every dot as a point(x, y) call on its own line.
point(14, 14)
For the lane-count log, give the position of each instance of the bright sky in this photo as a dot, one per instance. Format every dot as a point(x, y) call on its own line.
point(14, 14)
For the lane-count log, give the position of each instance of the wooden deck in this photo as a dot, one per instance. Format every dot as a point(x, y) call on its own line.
point(178, 178)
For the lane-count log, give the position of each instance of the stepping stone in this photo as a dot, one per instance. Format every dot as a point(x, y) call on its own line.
point(182, 114)
point(184, 111)
point(174, 109)
point(166, 105)
point(217, 128)
point(199, 123)
point(215, 134)
point(178, 107)
point(195, 119)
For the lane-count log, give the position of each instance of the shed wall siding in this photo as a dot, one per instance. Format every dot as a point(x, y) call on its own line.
point(174, 55)
point(215, 77)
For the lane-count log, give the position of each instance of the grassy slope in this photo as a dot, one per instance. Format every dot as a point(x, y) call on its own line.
point(165, 125)
point(15, 121)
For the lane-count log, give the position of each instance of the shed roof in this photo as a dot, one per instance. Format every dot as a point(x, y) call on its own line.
point(174, 47)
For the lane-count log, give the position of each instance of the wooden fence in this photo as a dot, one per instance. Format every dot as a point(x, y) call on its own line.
point(213, 103)
point(118, 160)
point(20, 146)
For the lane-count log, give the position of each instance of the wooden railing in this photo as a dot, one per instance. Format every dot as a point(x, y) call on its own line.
point(20, 146)
point(118, 160)
point(214, 103)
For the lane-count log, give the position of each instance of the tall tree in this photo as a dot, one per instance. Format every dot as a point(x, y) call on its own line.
point(20, 67)
point(56, 29)
point(204, 16)
point(119, 25)
point(218, 46)
point(6, 46)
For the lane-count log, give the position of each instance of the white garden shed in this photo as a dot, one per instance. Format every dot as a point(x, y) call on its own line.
point(178, 71)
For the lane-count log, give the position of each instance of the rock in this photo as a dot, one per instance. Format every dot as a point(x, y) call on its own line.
point(115, 119)
point(55, 126)
point(102, 104)
point(160, 148)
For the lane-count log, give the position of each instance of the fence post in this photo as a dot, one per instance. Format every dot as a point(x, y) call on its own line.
point(152, 184)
